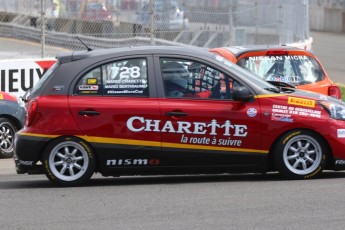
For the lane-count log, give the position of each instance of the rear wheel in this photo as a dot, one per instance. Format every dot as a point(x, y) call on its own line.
point(68, 161)
point(300, 154)
point(7, 132)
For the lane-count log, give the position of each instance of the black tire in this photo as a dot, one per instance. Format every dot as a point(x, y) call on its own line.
point(7, 132)
point(300, 154)
point(68, 161)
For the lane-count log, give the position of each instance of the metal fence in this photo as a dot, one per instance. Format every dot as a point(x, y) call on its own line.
point(115, 23)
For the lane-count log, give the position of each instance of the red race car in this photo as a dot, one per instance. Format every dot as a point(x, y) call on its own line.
point(172, 110)
point(297, 67)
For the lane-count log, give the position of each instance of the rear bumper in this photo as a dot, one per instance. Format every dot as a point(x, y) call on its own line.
point(339, 165)
point(28, 151)
point(28, 167)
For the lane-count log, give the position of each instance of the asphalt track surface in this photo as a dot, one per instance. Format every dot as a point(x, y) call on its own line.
point(245, 201)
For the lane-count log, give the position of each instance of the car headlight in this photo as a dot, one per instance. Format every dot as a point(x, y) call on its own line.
point(336, 111)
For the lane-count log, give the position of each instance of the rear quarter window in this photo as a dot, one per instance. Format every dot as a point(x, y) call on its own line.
point(35, 90)
point(121, 78)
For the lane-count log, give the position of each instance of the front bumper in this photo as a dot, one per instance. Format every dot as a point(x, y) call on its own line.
point(332, 133)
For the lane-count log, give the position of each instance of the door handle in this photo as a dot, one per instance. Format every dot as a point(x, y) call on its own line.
point(176, 114)
point(89, 113)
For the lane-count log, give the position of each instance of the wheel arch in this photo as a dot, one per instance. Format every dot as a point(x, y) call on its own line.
point(13, 119)
point(85, 140)
point(329, 153)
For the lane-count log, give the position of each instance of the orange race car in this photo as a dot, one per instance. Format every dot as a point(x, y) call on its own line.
point(289, 65)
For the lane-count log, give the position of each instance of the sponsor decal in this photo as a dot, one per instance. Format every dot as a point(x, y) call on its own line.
point(283, 78)
point(88, 150)
point(251, 112)
point(193, 132)
point(313, 173)
point(125, 92)
point(341, 133)
point(291, 110)
point(283, 109)
point(278, 58)
point(28, 163)
point(138, 124)
point(340, 162)
point(305, 112)
point(132, 162)
point(301, 102)
point(88, 87)
point(92, 81)
point(290, 136)
point(48, 171)
point(281, 117)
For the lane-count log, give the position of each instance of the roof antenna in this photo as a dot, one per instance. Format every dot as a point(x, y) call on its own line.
point(88, 48)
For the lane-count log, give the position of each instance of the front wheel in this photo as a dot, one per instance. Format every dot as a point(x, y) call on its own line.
point(300, 154)
point(68, 161)
point(7, 132)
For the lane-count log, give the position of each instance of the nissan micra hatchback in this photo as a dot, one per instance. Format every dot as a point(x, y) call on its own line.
point(297, 67)
point(172, 110)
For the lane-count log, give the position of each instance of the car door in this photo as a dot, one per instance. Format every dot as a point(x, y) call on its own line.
point(109, 96)
point(201, 124)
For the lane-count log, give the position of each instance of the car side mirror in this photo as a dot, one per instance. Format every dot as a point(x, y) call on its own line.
point(241, 94)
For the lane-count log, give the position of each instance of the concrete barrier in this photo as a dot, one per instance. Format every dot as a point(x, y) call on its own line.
point(327, 19)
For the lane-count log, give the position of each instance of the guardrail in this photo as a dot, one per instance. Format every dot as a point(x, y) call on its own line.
point(70, 41)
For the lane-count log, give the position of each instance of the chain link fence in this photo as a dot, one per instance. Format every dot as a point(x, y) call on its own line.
point(116, 23)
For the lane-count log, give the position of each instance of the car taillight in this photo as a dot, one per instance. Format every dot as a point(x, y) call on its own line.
point(275, 52)
point(31, 109)
point(334, 91)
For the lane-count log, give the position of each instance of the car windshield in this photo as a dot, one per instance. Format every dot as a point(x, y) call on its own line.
point(247, 74)
point(292, 69)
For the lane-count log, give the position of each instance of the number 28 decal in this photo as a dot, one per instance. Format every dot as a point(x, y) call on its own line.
point(129, 72)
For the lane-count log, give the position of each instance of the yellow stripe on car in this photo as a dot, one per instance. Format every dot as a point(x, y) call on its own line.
point(107, 140)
